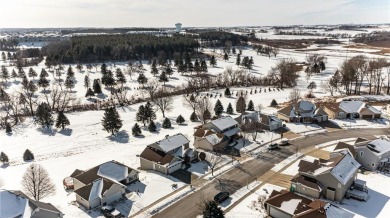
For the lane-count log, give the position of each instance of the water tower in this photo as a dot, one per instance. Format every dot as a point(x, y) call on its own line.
point(178, 27)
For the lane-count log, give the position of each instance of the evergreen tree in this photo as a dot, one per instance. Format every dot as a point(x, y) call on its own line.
point(227, 92)
point(89, 93)
point(273, 103)
point(180, 120)
point(251, 107)
point(111, 120)
point(32, 73)
point(43, 115)
point(152, 126)
point(21, 73)
point(229, 109)
point(28, 155)
point(241, 105)
point(25, 82)
point(4, 73)
point(70, 72)
point(149, 112)
point(120, 77)
point(108, 78)
point(69, 83)
point(169, 70)
point(163, 77)
point(213, 61)
point(203, 66)
point(141, 115)
point(136, 130)
point(62, 120)
point(166, 123)
point(234, 50)
point(86, 81)
point(212, 210)
point(79, 67)
point(142, 79)
point(97, 89)
point(218, 109)
point(153, 68)
point(43, 82)
point(225, 57)
point(4, 158)
point(238, 60)
point(14, 75)
point(206, 114)
point(193, 117)
point(197, 66)
point(43, 73)
point(8, 128)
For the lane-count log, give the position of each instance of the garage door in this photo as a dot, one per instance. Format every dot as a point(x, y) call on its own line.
point(175, 167)
point(366, 116)
point(377, 116)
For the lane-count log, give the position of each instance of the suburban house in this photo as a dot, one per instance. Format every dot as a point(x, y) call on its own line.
point(267, 121)
point(103, 184)
point(17, 204)
point(328, 178)
point(303, 112)
point(351, 109)
point(284, 204)
point(374, 155)
point(225, 125)
point(209, 140)
point(167, 155)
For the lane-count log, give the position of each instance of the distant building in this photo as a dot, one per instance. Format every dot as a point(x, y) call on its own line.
point(178, 27)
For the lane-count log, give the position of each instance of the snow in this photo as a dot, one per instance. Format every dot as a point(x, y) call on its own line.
point(224, 123)
point(302, 128)
point(172, 142)
point(232, 132)
point(213, 139)
point(351, 106)
point(362, 123)
point(113, 171)
point(290, 205)
point(292, 170)
point(96, 190)
point(345, 169)
point(13, 206)
point(381, 145)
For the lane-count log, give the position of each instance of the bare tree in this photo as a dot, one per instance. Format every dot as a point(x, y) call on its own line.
point(250, 127)
point(190, 101)
point(213, 161)
point(202, 105)
point(260, 107)
point(163, 101)
point(153, 86)
point(275, 51)
point(295, 95)
point(284, 74)
point(37, 183)
point(328, 86)
point(59, 99)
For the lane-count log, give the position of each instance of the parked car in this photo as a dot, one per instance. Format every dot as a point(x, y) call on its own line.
point(284, 142)
point(107, 209)
point(221, 197)
point(110, 212)
point(273, 146)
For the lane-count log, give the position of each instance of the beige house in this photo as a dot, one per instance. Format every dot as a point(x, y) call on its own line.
point(224, 125)
point(102, 184)
point(302, 112)
point(209, 140)
point(374, 155)
point(266, 121)
point(351, 109)
point(328, 178)
point(167, 155)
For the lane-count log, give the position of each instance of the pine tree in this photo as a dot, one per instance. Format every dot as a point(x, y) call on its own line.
point(273, 103)
point(89, 93)
point(212, 210)
point(4, 73)
point(8, 128)
point(14, 75)
point(203, 66)
point(111, 120)
point(28, 155)
point(43, 115)
point(120, 77)
point(149, 112)
point(197, 67)
point(69, 83)
point(62, 120)
point(229, 109)
point(251, 107)
point(166, 123)
point(206, 114)
point(97, 89)
point(136, 130)
point(225, 57)
point(141, 115)
point(180, 120)
point(152, 127)
point(79, 67)
point(25, 82)
point(43, 82)
point(218, 109)
point(4, 158)
point(86, 81)
point(43, 73)
point(213, 61)
point(70, 72)
point(240, 105)
point(238, 60)
point(163, 77)
point(234, 50)
point(169, 70)
point(153, 68)
point(108, 78)
point(21, 73)
point(32, 73)
point(142, 79)
point(193, 117)
point(227, 92)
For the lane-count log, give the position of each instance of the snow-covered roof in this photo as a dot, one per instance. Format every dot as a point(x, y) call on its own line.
point(96, 190)
point(113, 171)
point(172, 142)
point(351, 106)
point(306, 106)
point(332, 211)
point(379, 146)
point(232, 132)
point(224, 123)
point(12, 205)
point(213, 139)
point(345, 169)
point(290, 206)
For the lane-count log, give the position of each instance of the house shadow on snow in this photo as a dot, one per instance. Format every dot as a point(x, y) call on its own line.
point(371, 208)
point(120, 137)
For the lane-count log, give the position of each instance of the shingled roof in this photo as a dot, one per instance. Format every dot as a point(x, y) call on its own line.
point(156, 156)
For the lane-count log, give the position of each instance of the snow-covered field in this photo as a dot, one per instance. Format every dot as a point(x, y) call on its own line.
point(85, 144)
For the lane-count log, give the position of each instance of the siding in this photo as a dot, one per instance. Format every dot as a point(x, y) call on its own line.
point(82, 201)
point(307, 190)
point(112, 194)
point(77, 184)
point(148, 165)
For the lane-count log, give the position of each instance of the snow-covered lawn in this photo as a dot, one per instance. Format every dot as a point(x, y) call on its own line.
point(303, 128)
point(249, 207)
point(378, 205)
point(362, 123)
point(292, 170)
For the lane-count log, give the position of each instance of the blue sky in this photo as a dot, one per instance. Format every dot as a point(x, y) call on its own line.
point(165, 13)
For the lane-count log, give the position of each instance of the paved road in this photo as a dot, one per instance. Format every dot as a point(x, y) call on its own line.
point(239, 177)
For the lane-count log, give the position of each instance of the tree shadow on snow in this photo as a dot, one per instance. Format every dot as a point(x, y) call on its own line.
point(47, 131)
point(66, 132)
point(120, 137)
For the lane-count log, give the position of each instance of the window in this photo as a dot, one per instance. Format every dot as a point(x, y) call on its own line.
point(361, 154)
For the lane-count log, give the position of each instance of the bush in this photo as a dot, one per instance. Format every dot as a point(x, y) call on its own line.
point(28, 155)
point(274, 103)
point(136, 130)
point(180, 120)
point(202, 156)
point(4, 158)
point(166, 123)
point(193, 117)
point(152, 126)
point(8, 128)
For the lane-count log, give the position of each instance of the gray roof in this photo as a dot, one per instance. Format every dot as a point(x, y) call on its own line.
point(351, 106)
point(231, 132)
point(171, 143)
point(379, 146)
point(224, 122)
point(345, 169)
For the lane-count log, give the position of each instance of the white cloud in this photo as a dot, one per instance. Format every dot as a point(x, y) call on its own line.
point(155, 13)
